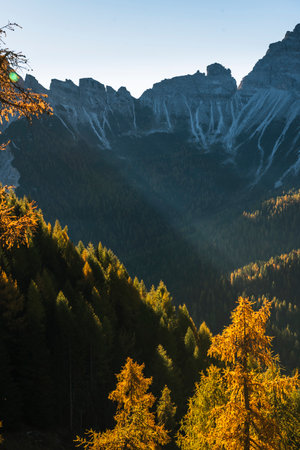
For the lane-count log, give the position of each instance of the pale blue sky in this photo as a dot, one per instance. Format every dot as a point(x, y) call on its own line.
point(135, 43)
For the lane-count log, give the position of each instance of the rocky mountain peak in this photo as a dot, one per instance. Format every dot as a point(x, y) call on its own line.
point(217, 69)
point(279, 68)
point(93, 86)
point(256, 126)
point(123, 92)
point(67, 86)
point(217, 83)
point(32, 83)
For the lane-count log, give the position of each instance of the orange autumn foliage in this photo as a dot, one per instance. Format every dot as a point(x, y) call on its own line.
point(15, 229)
point(14, 98)
point(135, 424)
point(247, 421)
point(247, 404)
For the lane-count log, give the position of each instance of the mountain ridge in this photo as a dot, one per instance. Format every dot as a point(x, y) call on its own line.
point(154, 176)
point(275, 47)
point(209, 109)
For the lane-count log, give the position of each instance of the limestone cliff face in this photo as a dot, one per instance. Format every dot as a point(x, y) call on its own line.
point(199, 103)
point(279, 68)
point(256, 125)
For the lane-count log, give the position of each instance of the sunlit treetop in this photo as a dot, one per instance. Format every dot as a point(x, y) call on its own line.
point(15, 229)
point(247, 405)
point(14, 98)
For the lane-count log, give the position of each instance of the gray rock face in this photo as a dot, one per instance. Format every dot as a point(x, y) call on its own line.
point(88, 109)
point(261, 116)
point(217, 83)
point(32, 83)
point(279, 68)
point(9, 175)
point(197, 103)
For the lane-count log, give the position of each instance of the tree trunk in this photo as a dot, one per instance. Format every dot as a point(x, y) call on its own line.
point(70, 391)
point(247, 422)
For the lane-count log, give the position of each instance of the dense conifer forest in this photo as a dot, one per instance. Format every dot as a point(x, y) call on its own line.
point(69, 318)
point(71, 315)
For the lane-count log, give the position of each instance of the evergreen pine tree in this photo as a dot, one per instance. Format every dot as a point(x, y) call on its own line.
point(166, 410)
point(34, 362)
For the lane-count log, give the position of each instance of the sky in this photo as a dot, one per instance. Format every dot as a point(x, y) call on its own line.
point(136, 43)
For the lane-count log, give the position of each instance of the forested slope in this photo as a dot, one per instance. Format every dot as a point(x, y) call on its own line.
point(69, 318)
point(278, 279)
point(262, 229)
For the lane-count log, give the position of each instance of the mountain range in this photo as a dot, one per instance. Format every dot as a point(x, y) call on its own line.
point(157, 178)
point(255, 126)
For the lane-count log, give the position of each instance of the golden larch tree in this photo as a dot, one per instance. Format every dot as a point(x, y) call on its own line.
point(198, 422)
point(15, 229)
point(252, 413)
point(15, 100)
point(135, 423)
point(166, 409)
